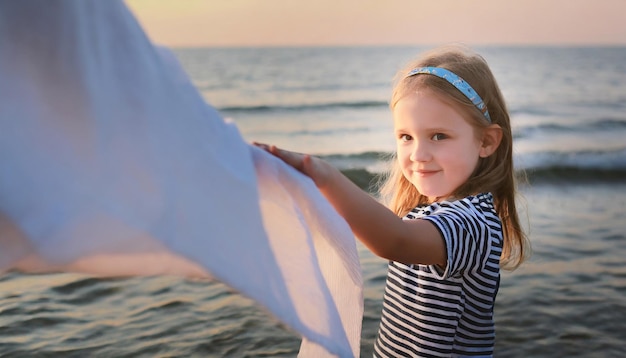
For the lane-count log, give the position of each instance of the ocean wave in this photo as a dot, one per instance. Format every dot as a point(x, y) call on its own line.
point(583, 160)
point(601, 124)
point(328, 132)
point(302, 107)
point(583, 166)
point(373, 155)
point(548, 167)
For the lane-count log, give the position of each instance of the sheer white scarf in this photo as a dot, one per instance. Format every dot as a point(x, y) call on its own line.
point(113, 164)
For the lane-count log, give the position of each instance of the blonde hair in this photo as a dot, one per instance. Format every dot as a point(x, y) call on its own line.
point(493, 174)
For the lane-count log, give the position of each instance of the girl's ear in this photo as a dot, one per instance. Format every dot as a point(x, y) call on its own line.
point(492, 136)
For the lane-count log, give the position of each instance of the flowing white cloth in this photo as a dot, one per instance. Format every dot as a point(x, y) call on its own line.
point(113, 164)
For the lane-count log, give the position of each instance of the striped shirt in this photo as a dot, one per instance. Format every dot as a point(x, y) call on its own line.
point(429, 311)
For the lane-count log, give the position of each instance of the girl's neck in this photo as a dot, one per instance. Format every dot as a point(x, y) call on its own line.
point(441, 198)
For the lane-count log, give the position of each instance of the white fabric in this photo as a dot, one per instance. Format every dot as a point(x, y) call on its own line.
point(113, 164)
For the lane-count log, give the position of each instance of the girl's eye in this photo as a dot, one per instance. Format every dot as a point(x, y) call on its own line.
point(439, 136)
point(405, 137)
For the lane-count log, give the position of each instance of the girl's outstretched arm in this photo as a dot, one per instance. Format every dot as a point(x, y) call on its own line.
point(384, 233)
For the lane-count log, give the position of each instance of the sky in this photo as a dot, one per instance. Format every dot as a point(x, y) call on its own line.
point(197, 23)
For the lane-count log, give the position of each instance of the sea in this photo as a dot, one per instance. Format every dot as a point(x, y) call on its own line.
point(568, 111)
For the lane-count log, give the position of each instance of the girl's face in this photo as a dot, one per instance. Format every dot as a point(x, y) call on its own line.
point(437, 148)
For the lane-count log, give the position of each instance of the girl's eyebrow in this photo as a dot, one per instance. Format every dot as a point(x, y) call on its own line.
point(438, 129)
point(428, 129)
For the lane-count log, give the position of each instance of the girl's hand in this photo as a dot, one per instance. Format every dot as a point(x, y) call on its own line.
point(313, 167)
point(382, 231)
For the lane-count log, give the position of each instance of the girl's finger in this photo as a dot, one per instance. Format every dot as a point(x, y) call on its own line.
point(262, 146)
point(272, 149)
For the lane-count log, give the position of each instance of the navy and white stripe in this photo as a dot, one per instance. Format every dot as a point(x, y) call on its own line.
point(446, 312)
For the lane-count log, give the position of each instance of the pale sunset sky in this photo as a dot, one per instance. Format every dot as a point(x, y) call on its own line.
point(196, 23)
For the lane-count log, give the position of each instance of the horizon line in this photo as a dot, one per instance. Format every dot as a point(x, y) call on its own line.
point(383, 45)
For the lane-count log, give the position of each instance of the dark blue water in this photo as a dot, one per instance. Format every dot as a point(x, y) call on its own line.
point(568, 110)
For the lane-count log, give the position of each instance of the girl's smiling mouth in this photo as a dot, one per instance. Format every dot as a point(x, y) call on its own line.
point(425, 173)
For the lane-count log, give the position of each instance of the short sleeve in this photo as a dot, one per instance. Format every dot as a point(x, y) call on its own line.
point(466, 236)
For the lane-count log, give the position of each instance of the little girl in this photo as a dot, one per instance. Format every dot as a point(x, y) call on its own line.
point(451, 220)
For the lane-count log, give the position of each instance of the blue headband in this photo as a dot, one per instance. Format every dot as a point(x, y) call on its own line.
point(457, 82)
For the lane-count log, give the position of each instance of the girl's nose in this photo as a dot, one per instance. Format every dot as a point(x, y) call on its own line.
point(420, 152)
